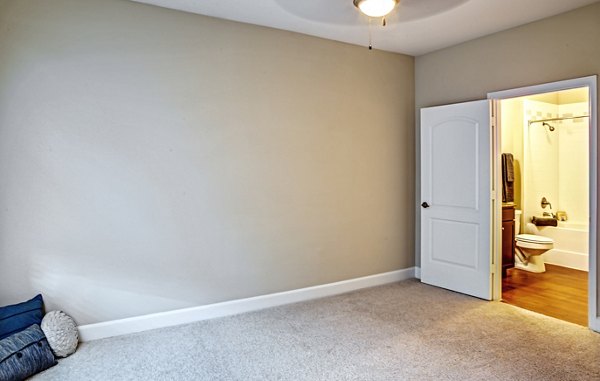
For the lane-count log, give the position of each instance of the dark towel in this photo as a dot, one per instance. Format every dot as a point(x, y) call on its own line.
point(510, 169)
point(508, 178)
point(544, 221)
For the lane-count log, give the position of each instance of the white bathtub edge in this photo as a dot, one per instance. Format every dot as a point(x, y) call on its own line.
point(569, 259)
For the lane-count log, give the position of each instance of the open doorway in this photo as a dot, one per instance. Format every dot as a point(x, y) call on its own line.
point(545, 160)
point(545, 210)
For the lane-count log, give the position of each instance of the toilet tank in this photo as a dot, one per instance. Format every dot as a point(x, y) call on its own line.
point(518, 214)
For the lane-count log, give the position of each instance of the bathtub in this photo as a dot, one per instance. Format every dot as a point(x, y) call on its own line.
point(571, 244)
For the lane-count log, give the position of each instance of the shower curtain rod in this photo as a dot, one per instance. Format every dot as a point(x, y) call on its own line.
point(555, 119)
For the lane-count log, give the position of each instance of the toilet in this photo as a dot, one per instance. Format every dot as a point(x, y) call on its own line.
point(530, 247)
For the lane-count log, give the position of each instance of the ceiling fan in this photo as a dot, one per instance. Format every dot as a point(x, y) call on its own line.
point(375, 8)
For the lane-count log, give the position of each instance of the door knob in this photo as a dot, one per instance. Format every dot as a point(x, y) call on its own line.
point(425, 205)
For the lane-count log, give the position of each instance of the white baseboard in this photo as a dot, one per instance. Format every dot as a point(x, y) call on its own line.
point(189, 315)
point(418, 272)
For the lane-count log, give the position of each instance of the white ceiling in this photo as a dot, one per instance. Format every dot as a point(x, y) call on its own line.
point(416, 27)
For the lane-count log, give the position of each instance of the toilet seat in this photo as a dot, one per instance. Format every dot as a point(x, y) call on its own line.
point(532, 241)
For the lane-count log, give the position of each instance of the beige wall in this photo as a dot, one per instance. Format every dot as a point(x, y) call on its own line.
point(152, 160)
point(561, 47)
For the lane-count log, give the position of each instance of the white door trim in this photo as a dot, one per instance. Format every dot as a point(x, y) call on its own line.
point(591, 83)
point(496, 168)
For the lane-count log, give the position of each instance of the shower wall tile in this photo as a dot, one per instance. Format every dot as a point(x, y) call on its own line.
point(573, 163)
point(540, 148)
point(556, 164)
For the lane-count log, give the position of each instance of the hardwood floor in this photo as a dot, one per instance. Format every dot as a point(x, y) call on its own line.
point(559, 292)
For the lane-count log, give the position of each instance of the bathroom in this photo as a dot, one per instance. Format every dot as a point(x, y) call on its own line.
point(545, 178)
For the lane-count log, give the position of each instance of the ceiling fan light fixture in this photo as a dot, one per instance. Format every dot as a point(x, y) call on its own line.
point(376, 8)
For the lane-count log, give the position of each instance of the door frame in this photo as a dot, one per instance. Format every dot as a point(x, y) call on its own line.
point(496, 97)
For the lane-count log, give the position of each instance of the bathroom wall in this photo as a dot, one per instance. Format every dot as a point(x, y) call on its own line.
point(512, 140)
point(555, 165)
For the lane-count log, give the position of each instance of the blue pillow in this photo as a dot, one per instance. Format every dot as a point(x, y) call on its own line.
point(24, 354)
point(17, 317)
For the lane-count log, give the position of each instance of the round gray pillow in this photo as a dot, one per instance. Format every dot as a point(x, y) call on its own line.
point(61, 331)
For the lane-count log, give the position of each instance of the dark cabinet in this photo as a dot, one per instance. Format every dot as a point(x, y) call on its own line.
point(508, 238)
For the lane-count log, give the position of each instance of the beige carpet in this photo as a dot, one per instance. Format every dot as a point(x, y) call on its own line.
point(403, 331)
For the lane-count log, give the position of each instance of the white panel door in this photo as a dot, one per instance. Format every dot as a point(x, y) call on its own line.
point(456, 248)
